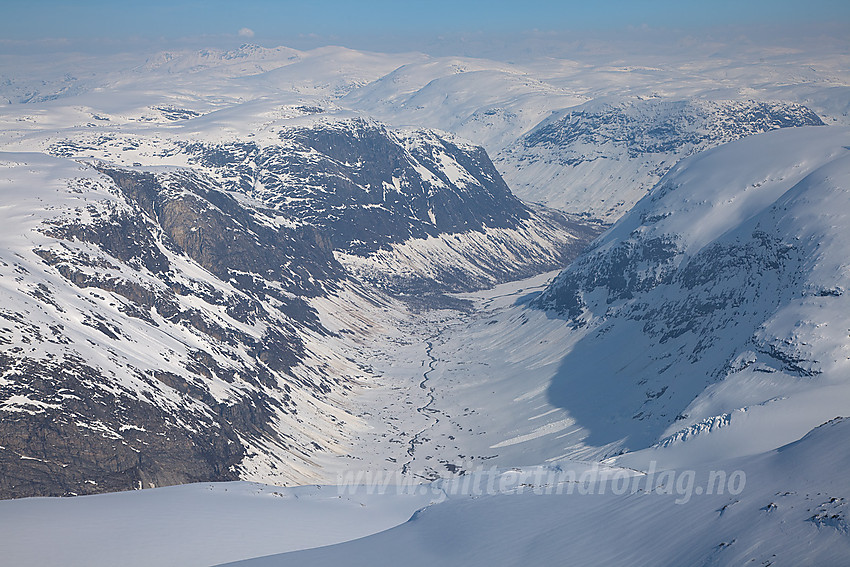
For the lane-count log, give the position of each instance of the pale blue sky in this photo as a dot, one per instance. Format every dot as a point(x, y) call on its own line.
point(285, 21)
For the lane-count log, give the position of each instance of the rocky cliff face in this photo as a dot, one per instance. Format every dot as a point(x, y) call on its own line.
point(165, 337)
point(159, 325)
point(367, 187)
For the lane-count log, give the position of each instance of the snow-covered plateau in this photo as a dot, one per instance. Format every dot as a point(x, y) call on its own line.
point(274, 307)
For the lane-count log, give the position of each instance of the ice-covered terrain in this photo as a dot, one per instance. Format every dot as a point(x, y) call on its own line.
point(194, 525)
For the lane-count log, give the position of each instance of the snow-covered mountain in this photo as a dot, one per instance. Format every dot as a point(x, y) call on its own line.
point(194, 268)
point(716, 304)
point(601, 157)
point(175, 305)
point(126, 360)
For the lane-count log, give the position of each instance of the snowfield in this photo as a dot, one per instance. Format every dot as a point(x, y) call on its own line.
point(197, 524)
point(770, 522)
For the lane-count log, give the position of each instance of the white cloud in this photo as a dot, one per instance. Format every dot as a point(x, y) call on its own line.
point(246, 32)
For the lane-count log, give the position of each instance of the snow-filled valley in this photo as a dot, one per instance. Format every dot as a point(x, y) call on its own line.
point(274, 307)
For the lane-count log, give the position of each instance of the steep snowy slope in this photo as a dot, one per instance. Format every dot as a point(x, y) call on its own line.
point(717, 304)
point(138, 348)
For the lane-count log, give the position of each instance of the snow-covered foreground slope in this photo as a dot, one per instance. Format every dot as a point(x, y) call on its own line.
point(783, 507)
point(193, 525)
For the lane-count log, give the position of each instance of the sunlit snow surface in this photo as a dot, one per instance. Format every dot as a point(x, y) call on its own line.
point(783, 507)
point(199, 524)
point(791, 511)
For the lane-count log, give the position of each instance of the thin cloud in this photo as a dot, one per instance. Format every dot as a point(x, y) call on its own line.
point(246, 32)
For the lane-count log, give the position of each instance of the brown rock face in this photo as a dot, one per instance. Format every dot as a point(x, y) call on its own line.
point(81, 440)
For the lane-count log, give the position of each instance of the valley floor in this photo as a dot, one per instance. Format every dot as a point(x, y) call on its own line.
point(453, 394)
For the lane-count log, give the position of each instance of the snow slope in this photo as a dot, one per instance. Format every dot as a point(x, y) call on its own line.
point(192, 525)
point(784, 507)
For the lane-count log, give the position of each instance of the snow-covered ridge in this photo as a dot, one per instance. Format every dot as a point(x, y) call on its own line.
point(717, 292)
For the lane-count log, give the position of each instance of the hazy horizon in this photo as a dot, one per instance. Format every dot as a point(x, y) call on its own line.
point(499, 29)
